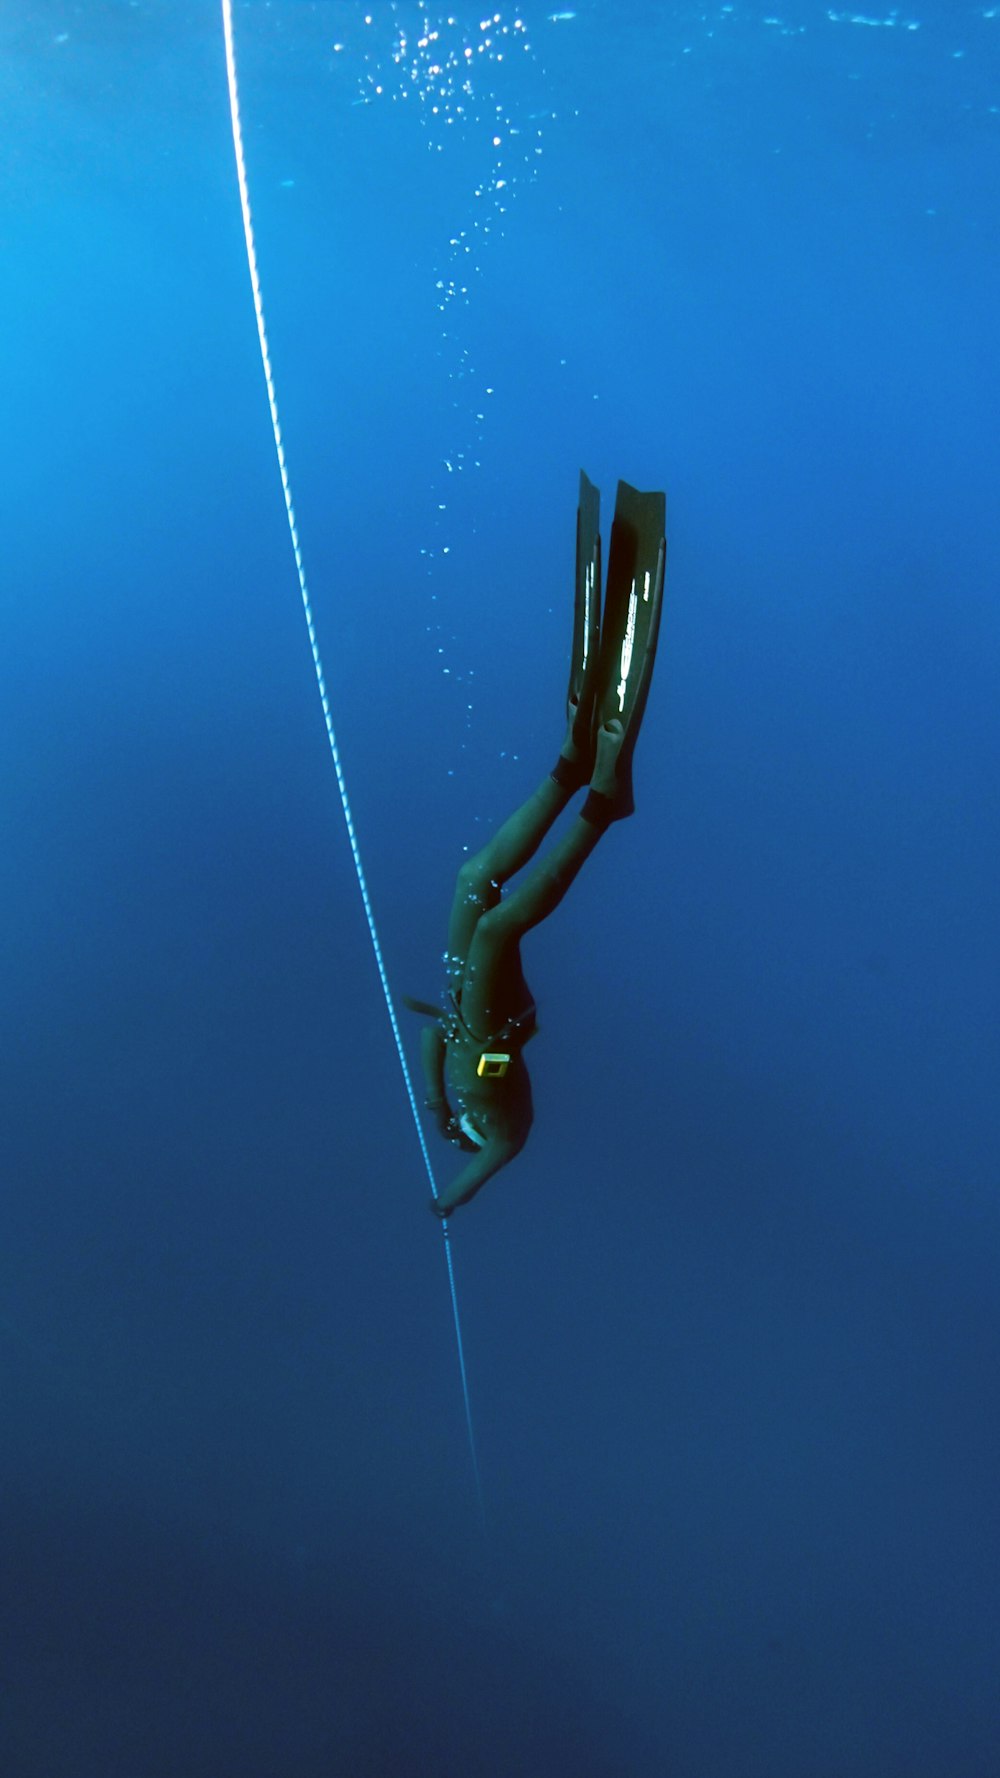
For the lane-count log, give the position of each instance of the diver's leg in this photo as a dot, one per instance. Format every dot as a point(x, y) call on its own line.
point(546, 884)
point(492, 983)
point(491, 955)
point(477, 889)
point(523, 832)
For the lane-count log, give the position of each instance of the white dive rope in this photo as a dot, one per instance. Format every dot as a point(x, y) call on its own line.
point(241, 174)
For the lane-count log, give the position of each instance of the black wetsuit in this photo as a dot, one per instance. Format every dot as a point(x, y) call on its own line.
point(491, 1011)
point(476, 1046)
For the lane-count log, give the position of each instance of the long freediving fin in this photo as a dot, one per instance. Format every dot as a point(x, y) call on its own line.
point(585, 659)
point(630, 629)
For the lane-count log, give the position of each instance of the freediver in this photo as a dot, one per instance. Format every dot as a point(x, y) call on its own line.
point(476, 1043)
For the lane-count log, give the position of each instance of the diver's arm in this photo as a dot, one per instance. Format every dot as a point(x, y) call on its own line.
point(432, 1056)
point(487, 1161)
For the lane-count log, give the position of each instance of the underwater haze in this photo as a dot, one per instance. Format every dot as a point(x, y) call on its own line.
point(731, 1322)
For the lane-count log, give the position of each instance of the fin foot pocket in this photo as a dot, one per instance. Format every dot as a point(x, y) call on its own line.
point(611, 789)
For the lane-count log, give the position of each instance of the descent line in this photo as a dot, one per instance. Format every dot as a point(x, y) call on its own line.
point(265, 358)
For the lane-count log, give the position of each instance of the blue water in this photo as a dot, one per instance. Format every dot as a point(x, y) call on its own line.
point(732, 1319)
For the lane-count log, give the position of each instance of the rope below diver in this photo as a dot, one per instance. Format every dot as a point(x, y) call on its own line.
point(265, 356)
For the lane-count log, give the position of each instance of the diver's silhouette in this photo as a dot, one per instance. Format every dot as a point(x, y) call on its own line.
point(476, 1044)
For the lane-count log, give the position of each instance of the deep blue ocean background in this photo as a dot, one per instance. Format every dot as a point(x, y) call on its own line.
point(732, 1319)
